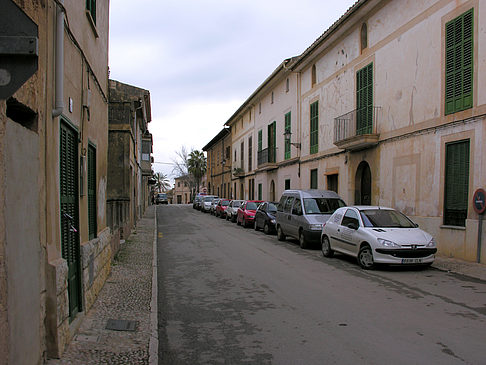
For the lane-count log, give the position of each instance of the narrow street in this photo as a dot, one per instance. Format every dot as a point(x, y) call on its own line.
point(230, 295)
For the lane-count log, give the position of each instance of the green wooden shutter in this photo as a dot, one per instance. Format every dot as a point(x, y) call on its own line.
point(314, 127)
point(92, 216)
point(68, 165)
point(260, 189)
point(456, 185)
point(260, 138)
point(287, 129)
point(91, 7)
point(459, 63)
point(364, 100)
point(272, 142)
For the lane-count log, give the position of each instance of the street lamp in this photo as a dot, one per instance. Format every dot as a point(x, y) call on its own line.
point(287, 134)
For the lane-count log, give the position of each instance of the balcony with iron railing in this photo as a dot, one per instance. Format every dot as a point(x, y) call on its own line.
point(356, 130)
point(266, 159)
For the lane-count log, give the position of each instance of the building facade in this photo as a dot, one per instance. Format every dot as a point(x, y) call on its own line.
point(182, 191)
point(129, 156)
point(55, 246)
point(381, 114)
point(219, 165)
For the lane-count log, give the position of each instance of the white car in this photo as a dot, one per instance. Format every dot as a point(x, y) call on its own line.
point(232, 210)
point(377, 235)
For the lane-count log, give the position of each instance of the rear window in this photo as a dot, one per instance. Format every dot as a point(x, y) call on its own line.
point(322, 205)
point(252, 205)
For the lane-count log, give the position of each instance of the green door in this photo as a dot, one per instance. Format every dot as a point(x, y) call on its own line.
point(68, 156)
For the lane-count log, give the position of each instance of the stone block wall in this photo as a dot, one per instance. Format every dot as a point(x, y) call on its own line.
point(96, 262)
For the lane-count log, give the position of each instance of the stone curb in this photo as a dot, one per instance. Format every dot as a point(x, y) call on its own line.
point(154, 337)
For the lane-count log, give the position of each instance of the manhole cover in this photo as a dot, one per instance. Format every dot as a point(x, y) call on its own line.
point(121, 325)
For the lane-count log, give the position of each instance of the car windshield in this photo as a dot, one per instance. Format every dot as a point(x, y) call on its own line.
point(272, 208)
point(252, 205)
point(385, 218)
point(322, 205)
point(225, 203)
point(208, 199)
point(163, 196)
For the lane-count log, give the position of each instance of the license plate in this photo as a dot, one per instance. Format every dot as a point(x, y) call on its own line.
point(411, 261)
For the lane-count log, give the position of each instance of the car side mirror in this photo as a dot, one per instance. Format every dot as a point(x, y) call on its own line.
point(416, 225)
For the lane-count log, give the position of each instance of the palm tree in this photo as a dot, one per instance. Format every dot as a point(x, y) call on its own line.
point(162, 182)
point(196, 165)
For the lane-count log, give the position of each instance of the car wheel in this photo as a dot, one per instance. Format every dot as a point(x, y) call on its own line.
point(266, 228)
point(255, 226)
point(227, 217)
point(302, 241)
point(280, 234)
point(238, 221)
point(326, 247)
point(365, 257)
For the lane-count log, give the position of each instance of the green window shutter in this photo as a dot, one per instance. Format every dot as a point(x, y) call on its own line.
point(272, 142)
point(313, 178)
point(364, 100)
point(92, 216)
point(91, 7)
point(456, 185)
point(459, 63)
point(287, 141)
point(260, 188)
point(314, 127)
point(260, 138)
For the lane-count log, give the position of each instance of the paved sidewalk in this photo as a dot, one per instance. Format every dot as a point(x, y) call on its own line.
point(127, 295)
point(470, 269)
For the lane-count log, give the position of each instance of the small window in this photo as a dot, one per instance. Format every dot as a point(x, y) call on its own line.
point(313, 179)
point(332, 182)
point(91, 9)
point(260, 108)
point(364, 37)
point(297, 209)
point(288, 204)
point(314, 75)
point(351, 217)
point(287, 86)
point(272, 98)
point(287, 184)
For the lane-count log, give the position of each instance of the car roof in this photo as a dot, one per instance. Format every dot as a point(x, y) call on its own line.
point(312, 193)
point(370, 207)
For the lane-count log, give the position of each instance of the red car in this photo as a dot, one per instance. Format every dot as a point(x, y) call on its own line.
point(246, 212)
point(220, 210)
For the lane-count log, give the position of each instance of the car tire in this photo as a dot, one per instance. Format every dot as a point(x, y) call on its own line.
point(227, 217)
point(326, 249)
point(266, 228)
point(365, 257)
point(238, 223)
point(302, 242)
point(255, 226)
point(280, 234)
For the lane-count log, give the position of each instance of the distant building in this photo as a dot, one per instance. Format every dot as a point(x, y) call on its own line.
point(182, 192)
point(219, 165)
point(129, 156)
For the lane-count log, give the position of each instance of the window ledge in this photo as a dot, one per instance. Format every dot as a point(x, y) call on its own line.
point(92, 23)
point(458, 228)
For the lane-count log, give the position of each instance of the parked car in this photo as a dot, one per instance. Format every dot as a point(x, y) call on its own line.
point(206, 203)
point(377, 235)
point(232, 210)
point(265, 217)
point(161, 198)
point(246, 212)
point(301, 213)
point(221, 208)
point(214, 203)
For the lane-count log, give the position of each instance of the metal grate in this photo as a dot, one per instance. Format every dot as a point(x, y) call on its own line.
point(121, 325)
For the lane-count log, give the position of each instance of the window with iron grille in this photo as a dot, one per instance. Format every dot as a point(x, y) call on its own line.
point(456, 184)
point(287, 130)
point(91, 7)
point(242, 157)
point(459, 63)
point(364, 100)
point(314, 127)
point(92, 216)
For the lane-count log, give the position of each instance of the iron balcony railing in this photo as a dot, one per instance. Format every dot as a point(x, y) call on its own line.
point(355, 123)
point(266, 156)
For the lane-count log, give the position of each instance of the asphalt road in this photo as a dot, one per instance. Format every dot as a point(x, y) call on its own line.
point(230, 295)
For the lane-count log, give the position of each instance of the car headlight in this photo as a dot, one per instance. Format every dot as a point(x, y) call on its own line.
point(387, 243)
point(315, 226)
point(432, 243)
point(273, 221)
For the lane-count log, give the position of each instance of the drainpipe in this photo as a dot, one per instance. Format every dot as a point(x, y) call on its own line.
point(59, 73)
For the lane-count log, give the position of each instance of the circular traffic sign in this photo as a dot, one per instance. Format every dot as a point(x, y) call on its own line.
point(479, 201)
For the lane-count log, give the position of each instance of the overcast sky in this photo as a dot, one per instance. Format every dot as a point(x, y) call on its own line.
point(201, 59)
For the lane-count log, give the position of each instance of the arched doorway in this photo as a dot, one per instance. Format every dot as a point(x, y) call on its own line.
point(363, 184)
point(272, 191)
